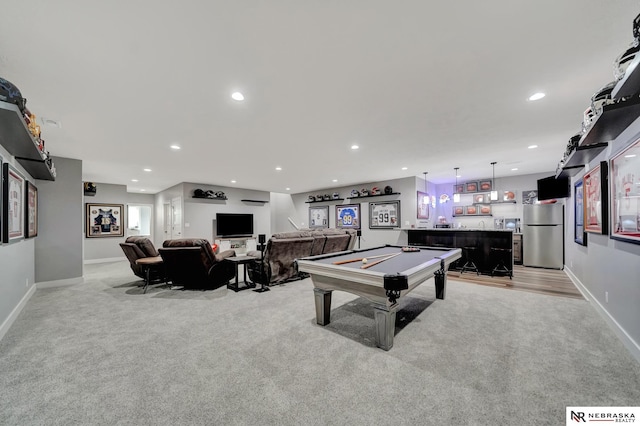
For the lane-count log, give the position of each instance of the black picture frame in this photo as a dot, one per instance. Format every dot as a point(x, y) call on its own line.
point(13, 198)
point(580, 236)
point(31, 211)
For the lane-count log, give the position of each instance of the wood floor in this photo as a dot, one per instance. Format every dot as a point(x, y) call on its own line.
point(536, 280)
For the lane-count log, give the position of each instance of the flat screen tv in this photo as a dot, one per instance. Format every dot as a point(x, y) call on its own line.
point(550, 187)
point(234, 224)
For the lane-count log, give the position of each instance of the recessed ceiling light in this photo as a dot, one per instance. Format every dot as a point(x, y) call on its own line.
point(514, 169)
point(142, 190)
point(134, 180)
point(630, 156)
point(537, 96)
point(147, 170)
point(404, 168)
point(233, 181)
point(288, 189)
point(278, 168)
point(237, 96)
point(335, 180)
point(176, 147)
point(532, 146)
point(354, 147)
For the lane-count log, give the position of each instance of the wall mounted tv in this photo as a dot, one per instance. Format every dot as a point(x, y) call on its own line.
point(234, 224)
point(550, 187)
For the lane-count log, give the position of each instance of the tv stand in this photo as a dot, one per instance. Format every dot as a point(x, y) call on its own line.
point(241, 245)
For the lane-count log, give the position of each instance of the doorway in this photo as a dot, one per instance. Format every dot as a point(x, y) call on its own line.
point(140, 220)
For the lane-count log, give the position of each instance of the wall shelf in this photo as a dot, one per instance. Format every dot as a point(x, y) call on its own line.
point(325, 201)
point(16, 138)
point(612, 121)
point(578, 158)
point(211, 198)
point(369, 196)
point(254, 201)
point(630, 83)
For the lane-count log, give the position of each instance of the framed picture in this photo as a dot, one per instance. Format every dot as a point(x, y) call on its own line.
point(348, 216)
point(104, 220)
point(530, 196)
point(484, 209)
point(385, 215)
point(458, 210)
point(13, 197)
point(595, 199)
point(625, 194)
point(424, 200)
point(471, 187)
point(509, 196)
point(580, 236)
point(470, 210)
point(319, 217)
point(31, 212)
point(485, 185)
point(458, 189)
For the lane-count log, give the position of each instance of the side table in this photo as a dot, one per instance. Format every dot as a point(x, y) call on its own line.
point(237, 261)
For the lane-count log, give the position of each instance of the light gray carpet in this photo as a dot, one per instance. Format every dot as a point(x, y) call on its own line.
point(103, 353)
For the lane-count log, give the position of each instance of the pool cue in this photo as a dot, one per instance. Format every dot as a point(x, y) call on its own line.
point(369, 265)
point(340, 262)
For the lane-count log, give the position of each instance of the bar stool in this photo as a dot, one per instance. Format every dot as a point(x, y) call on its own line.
point(499, 256)
point(469, 254)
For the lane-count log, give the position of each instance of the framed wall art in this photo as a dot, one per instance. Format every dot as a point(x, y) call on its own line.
point(458, 189)
point(319, 217)
point(470, 210)
point(458, 210)
point(104, 220)
point(484, 209)
point(485, 185)
point(31, 211)
point(530, 196)
point(580, 236)
point(595, 199)
point(348, 216)
point(471, 187)
point(385, 215)
point(423, 202)
point(13, 197)
point(625, 194)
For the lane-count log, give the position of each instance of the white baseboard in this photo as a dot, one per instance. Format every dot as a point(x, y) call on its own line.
point(60, 283)
point(16, 311)
point(627, 340)
point(105, 260)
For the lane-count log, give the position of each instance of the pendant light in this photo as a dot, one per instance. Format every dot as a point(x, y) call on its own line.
point(456, 194)
point(494, 191)
point(425, 198)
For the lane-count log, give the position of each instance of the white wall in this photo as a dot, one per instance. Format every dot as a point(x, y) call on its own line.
point(606, 268)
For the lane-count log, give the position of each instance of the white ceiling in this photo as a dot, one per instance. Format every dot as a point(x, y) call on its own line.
point(419, 84)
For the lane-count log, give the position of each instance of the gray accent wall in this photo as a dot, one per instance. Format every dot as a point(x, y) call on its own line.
point(608, 270)
point(109, 247)
point(58, 248)
point(16, 263)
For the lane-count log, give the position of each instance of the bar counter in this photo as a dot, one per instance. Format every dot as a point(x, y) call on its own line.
point(482, 239)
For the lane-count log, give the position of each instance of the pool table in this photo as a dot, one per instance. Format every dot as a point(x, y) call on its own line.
point(382, 283)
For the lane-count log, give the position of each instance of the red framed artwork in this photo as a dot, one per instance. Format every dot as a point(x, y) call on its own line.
point(595, 199)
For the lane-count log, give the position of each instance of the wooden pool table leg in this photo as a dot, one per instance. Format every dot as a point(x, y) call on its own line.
point(385, 325)
point(440, 278)
point(323, 305)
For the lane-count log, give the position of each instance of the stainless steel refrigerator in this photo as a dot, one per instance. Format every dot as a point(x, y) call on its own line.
point(543, 235)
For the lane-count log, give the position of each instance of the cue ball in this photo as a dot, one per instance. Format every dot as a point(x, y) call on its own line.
point(364, 260)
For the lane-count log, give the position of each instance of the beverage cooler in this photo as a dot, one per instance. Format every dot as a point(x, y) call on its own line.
point(543, 235)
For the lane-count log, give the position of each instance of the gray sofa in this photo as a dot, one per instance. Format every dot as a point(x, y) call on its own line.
point(278, 264)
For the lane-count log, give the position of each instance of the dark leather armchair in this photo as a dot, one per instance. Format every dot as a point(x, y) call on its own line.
point(141, 247)
point(191, 263)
